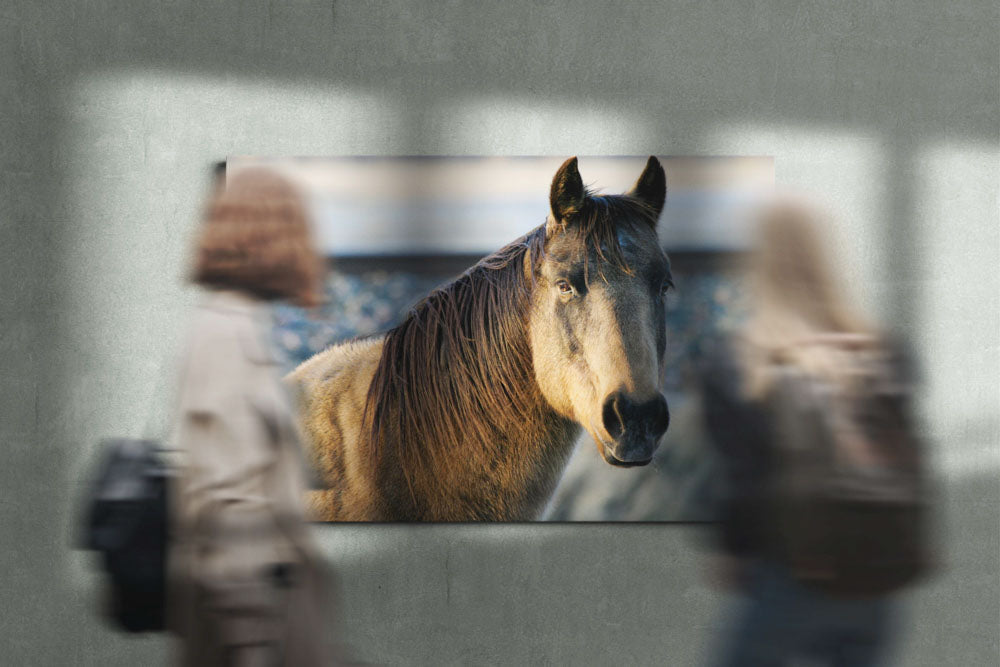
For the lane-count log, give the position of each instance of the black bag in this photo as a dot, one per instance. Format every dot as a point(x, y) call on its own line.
point(127, 523)
point(849, 489)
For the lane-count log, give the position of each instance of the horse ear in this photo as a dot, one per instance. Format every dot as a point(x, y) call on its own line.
point(567, 194)
point(651, 188)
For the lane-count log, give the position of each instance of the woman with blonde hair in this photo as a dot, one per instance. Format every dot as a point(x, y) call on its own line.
point(249, 583)
point(799, 317)
point(799, 310)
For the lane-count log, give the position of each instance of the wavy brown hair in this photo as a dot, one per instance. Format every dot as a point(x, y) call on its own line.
point(255, 238)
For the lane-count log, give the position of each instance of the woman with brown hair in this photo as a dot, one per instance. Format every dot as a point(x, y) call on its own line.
point(249, 582)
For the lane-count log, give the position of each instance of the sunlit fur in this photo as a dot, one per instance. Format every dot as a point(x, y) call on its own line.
point(464, 411)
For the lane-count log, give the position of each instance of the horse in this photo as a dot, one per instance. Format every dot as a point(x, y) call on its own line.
point(469, 409)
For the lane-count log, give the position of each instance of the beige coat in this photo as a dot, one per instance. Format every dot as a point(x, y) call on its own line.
point(247, 577)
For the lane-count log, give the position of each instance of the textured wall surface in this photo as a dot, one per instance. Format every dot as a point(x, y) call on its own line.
point(112, 110)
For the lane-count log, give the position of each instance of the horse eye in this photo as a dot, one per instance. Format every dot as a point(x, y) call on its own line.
point(666, 286)
point(564, 287)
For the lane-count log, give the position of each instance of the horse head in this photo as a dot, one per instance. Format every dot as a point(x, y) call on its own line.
point(596, 322)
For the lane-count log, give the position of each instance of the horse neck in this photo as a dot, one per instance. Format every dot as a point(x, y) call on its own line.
point(508, 475)
point(479, 437)
point(508, 421)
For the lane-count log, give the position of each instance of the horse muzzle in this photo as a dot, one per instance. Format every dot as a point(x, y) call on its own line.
point(635, 427)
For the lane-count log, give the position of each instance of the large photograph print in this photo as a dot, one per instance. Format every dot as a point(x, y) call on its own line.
point(514, 338)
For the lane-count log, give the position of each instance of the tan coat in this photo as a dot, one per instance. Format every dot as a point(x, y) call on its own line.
point(248, 581)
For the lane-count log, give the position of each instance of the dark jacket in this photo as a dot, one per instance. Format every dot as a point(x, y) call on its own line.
point(739, 431)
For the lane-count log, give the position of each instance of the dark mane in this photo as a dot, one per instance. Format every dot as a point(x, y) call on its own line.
point(459, 367)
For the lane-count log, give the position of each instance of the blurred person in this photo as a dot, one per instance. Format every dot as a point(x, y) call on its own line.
point(249, 587)
point(815, 577)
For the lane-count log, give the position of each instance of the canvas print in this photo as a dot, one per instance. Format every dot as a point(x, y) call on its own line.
point(513, 338)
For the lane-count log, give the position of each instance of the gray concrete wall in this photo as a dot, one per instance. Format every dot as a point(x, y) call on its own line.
point(112, 110)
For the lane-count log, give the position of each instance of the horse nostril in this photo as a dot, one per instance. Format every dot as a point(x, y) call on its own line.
point(657, 416)
point(620, 414)
point(611, 415)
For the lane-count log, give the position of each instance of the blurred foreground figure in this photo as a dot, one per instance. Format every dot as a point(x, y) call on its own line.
point(249, 584)
point(823, 515)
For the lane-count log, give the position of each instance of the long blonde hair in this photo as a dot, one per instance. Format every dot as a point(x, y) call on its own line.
point(797, 304)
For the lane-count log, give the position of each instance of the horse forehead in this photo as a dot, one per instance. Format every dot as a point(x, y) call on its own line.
point(625, 240)
point(635, 247)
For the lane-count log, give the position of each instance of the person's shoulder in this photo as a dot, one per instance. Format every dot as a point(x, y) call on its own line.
point(220, 354)
point(221, 319)
point(225, 309)
point(215, 334)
